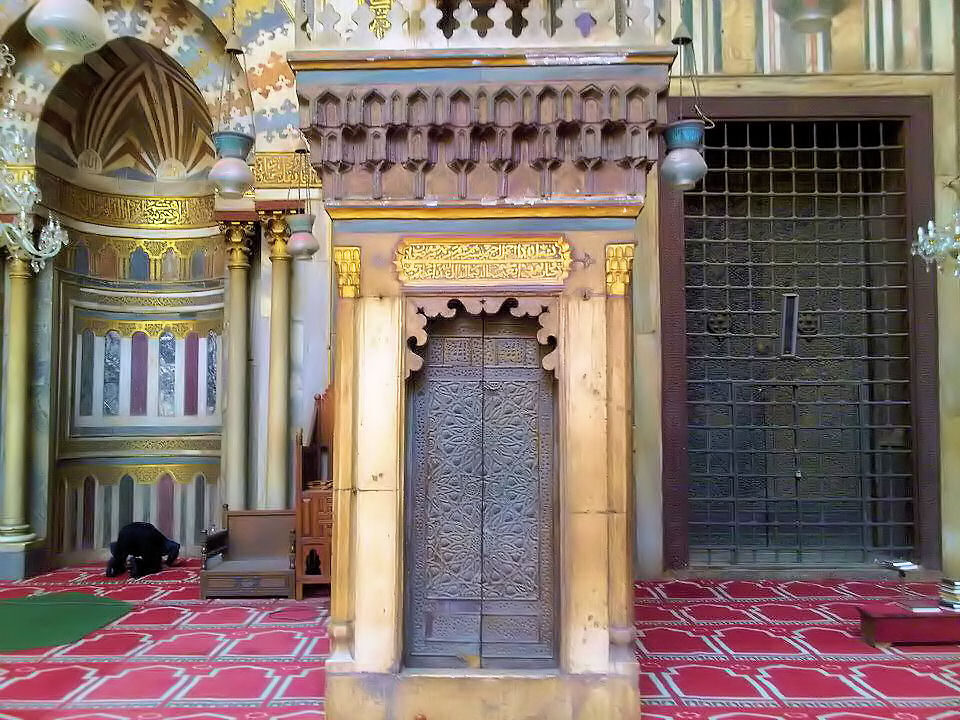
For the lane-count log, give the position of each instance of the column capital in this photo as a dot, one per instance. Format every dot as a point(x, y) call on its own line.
point(237, 236)
point(18, 266)
point(278, 232)
point(347, 260)
point(619, 266)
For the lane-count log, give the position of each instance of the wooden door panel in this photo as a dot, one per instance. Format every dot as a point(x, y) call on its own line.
point(444, 528)
point(480, 578)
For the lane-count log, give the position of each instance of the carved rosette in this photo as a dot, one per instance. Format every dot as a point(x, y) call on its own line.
point(418, 311)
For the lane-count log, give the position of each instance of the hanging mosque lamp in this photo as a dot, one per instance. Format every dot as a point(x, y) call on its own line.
point(683, 165)
point(231, 174)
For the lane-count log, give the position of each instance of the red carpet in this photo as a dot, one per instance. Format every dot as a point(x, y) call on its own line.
point(708, 650)
point(174, 656)
point(738, 650)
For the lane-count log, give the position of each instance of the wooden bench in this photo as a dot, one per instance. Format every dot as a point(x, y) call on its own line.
point(253, 556)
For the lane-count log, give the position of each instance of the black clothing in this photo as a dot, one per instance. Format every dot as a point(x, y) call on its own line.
point(141, 548)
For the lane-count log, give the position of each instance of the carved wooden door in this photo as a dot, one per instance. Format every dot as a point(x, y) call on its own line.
point(481, 499)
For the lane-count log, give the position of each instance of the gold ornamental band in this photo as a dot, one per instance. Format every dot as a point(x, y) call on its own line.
point(431, 260)
point(151, 328)
point(129, 211)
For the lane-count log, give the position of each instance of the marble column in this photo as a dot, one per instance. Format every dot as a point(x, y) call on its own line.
point(235, 420)
point(278, 387)
point(14, 527)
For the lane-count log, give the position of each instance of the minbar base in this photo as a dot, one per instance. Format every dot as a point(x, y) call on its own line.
point(491, 695)
point(891, 625)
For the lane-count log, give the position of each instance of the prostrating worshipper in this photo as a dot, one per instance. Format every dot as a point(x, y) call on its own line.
point(141, 548)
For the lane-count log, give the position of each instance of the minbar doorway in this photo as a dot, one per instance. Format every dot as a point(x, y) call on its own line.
point(481, 498)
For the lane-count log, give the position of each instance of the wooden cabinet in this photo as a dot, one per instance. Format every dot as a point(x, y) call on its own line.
point(314, 502)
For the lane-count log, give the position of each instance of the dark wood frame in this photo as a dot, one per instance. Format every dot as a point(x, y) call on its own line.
point(916, 113)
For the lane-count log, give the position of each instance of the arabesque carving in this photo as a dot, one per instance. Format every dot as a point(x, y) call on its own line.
point(418, 310)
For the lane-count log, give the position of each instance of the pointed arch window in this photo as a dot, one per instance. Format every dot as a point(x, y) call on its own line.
point(139, 265)
point(81, 260)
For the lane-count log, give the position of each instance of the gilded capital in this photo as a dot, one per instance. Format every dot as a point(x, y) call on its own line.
point(236, 235)
point(347, 260)
point(619, 267)
point(18, 266)
point(278, 232)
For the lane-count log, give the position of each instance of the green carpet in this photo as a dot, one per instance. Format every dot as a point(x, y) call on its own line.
point(52, 619)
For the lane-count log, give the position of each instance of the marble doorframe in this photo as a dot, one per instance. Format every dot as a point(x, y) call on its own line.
point(589, 314)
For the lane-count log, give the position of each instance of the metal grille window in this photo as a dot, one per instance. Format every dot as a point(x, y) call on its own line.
point(798, 356)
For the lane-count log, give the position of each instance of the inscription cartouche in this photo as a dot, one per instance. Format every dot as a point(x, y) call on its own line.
point(485, 261)
point(281, 170)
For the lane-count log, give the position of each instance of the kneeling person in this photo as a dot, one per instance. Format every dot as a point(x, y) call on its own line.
point(140, 547)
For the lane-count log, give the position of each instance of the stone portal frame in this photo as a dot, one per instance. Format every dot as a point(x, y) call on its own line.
point(379, 322)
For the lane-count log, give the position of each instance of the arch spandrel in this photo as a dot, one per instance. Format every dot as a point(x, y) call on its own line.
point(192, 34)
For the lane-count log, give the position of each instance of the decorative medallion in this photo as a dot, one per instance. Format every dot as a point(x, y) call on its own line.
point(483, 261)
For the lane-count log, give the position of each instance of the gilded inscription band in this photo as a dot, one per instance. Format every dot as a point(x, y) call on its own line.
point(486, 261)
point(125, 210)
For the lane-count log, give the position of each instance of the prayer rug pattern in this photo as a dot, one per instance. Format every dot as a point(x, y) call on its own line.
point(776, 650)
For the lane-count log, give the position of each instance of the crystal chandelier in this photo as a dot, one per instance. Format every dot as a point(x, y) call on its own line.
point(937, 245)
point(18, 190)
point(940, 245)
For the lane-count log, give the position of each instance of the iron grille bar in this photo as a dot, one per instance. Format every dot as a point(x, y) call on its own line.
point(799, 457)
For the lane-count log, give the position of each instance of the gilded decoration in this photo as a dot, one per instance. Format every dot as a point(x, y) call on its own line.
point(619, 267)
point(22, 173)
point(237, 236)
point(533, 260)
point(281, 170)
point(152, 300)
point(152, 328)
point(187, 445)
point(347, 259)
point(418, 311)
point(125, 210)
point(141, 474)
point(109, 257)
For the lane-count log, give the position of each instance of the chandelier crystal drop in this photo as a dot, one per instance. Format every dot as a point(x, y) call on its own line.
point(938, 245)
point(19, 193)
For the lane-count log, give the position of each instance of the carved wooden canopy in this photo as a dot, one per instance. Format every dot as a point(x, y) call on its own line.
point(419, 310)
point(585, 134)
